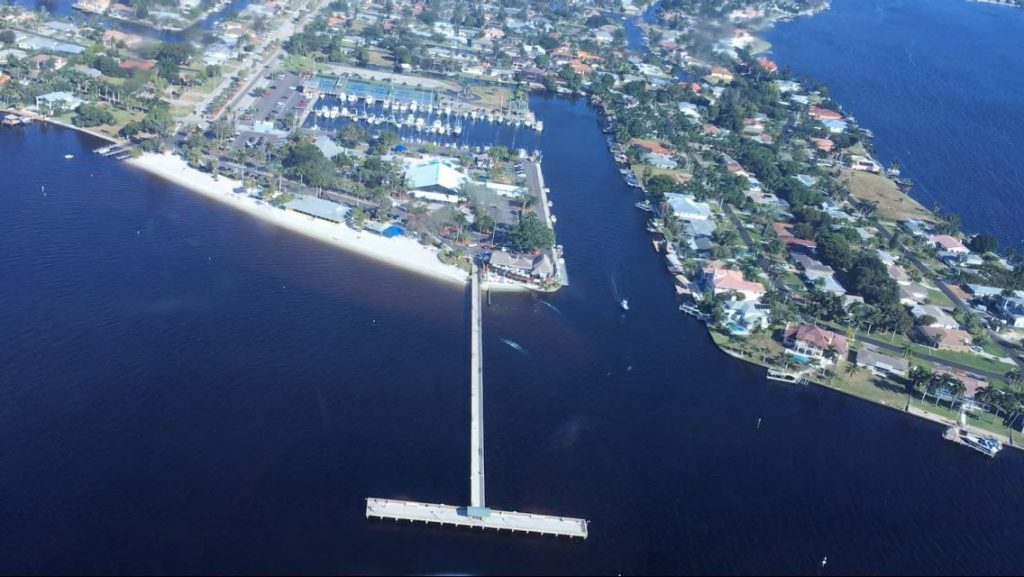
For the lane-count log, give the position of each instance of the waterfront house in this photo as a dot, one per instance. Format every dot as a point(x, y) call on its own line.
point(881, 364)
point(915, 227)
point(948, 243)
point(659, 161)
point(687, 208)
point(945, 339)
point(111, 38)
point(767, 64)
point(814, 342)
point(719, 281)
point(939, 318)
point(744, 317)
point(824, 114)
point(652, 146)
point(53, 101)
point(865, 164)
point(971, 384)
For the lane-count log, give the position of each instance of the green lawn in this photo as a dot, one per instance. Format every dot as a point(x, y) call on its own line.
point(939, 298)
point(986, 421)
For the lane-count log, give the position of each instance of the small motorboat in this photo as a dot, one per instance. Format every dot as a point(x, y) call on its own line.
point(624, 303)
point(69, 156)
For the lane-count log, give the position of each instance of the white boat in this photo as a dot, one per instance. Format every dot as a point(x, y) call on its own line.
point(413, 106)
point(447, 110)
point(644, 206)
point(69, 156)
point(538, 125)
point(987, 446)
point(402, 106)
point(387, 104)
point(353, 98)
point(624, 303)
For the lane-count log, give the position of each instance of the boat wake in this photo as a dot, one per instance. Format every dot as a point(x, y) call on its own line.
point(551, 306)
point(516, 346)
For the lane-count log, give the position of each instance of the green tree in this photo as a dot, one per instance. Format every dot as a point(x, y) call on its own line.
point(531, 233)
point(983, 243)
point(304, 160)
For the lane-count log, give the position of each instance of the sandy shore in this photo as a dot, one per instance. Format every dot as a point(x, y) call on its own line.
point(401, 252)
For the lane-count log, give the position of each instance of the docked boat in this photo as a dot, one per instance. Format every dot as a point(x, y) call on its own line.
point(538, 126)
point(988, 446)
point(644, 205)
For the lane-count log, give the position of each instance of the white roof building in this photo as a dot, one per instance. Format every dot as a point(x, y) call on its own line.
point(434, 176)
point(687, 208)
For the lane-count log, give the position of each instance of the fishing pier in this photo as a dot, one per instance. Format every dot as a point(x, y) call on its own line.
point(477, 514)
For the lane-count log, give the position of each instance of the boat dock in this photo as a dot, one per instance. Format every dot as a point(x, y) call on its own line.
point(477, 514)
point(460, 516)
point(535, 183)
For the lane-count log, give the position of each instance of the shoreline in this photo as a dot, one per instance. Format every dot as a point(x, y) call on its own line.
point(403, 253)
point(765, 47)
point(906, 410)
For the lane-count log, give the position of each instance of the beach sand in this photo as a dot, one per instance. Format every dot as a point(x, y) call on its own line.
point(402, 252)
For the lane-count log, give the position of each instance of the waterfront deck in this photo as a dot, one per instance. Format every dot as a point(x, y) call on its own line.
point(468, 517)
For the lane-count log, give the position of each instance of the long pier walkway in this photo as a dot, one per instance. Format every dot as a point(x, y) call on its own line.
point(477, 514)
point(476, 396)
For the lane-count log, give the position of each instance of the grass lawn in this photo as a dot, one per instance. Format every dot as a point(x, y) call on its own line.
point(865, 385)
point(380, 58)
point(986, 421)
point(490, 96)
point(893, 204)
point(939, 298)
point(295, 63)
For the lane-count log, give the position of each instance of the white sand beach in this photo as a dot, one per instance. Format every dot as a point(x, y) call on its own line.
point(402, 252)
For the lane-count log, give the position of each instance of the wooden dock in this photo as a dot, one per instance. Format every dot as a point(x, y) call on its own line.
point(477, 514)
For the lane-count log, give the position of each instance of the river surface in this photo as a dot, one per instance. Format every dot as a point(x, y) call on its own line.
point(939, 82)
point(185, 389)
point(62, 9)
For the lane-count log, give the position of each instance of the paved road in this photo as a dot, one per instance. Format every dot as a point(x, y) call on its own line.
point(749, 242)
point(745, 236)
point(254, 65)
point(936, 360)
point(921, 266)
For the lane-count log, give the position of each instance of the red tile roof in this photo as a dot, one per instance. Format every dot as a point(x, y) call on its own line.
point(818, 337)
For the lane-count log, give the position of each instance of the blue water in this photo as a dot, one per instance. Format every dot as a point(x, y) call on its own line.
point(939, 82)
point(184, 389)
point(62, 10)
point(475, 133)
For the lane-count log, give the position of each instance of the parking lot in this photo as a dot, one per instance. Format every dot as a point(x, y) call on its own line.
point(280, 98)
